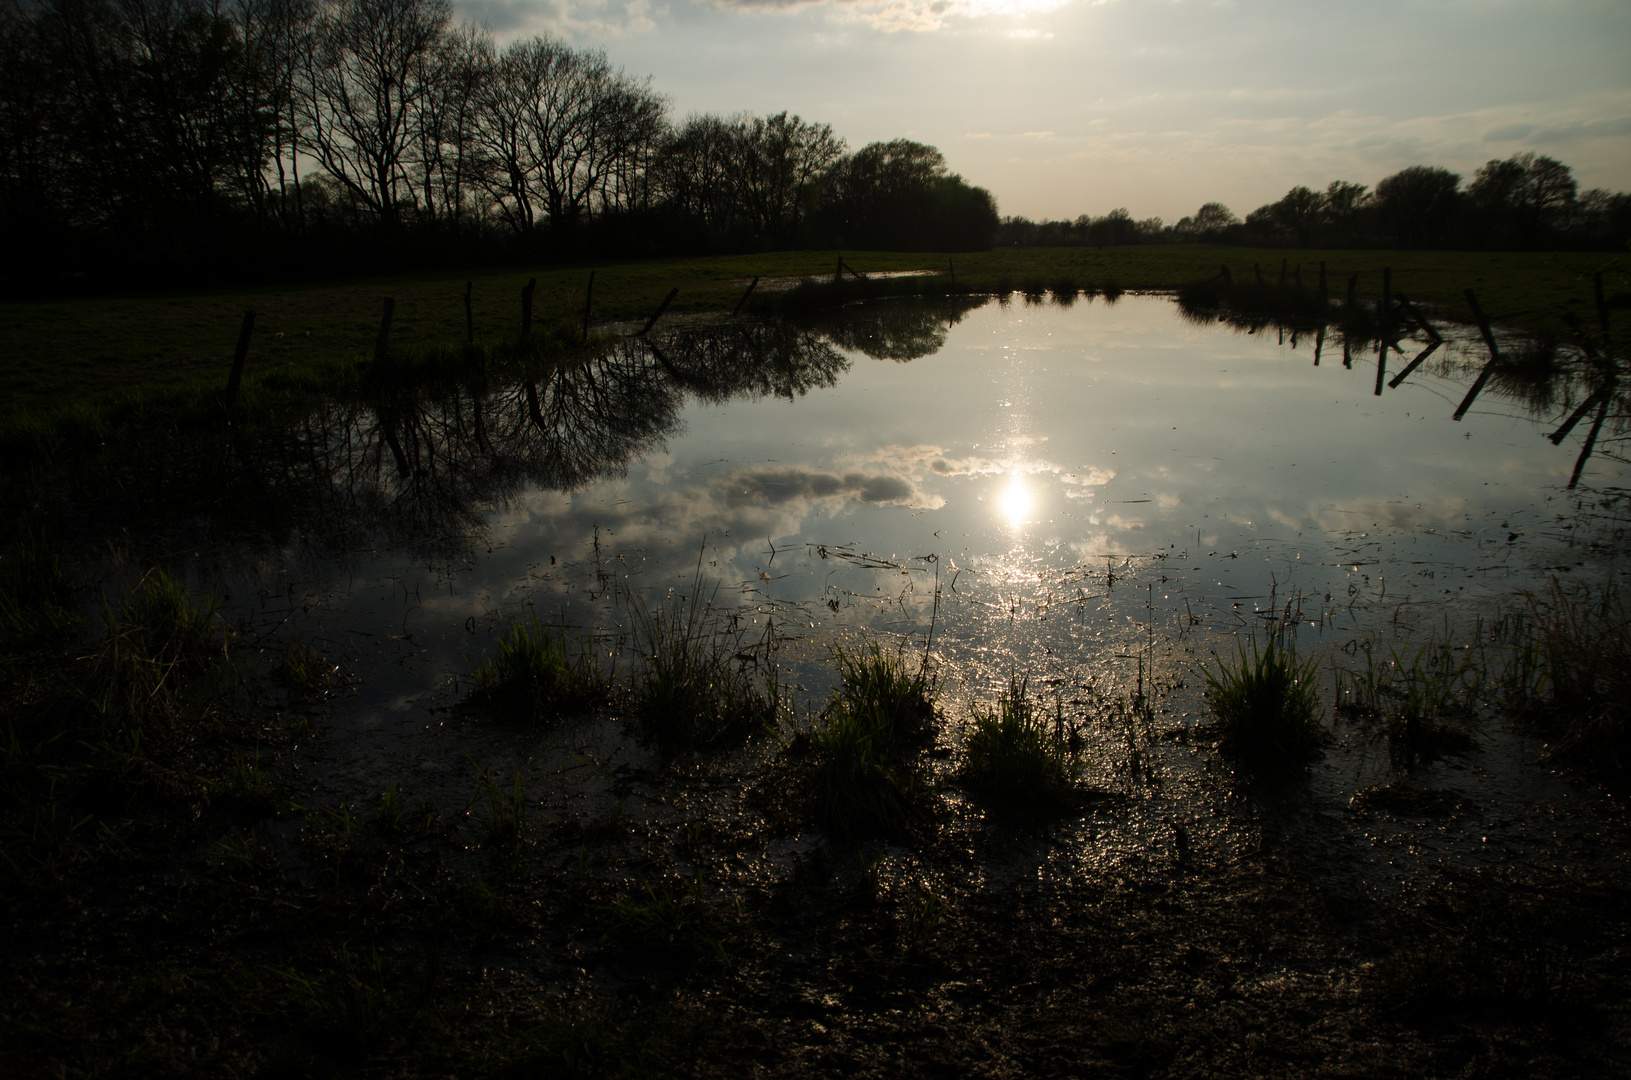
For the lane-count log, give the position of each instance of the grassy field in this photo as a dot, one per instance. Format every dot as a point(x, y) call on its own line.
point(95, 367)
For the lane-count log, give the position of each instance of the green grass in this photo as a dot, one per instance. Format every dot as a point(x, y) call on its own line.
point(81, 371)
point(865, 780)
point(1426, 698)
point(896, 698)
point(1575, 676)
point(539, 675)
point(1014, 754)
point(155, 636)
point(1266, 706)
point(674, 917)
point(37, 596)
point(691, 691)
point(304, 670)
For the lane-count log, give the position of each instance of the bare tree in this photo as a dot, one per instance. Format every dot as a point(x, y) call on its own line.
point(369, 76)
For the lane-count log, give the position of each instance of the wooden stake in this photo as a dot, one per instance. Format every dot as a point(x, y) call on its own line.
point(1421, 321)
point(1394, 382)
point(1489, 368)
point(669, 299)
point(239, 354)
point(745, 294)
point(1483, 324)
point(1606, 390)
point(1602, 305)
point(469, 315)
point(1386, 313)
point(1591, 442)
point(526, 305)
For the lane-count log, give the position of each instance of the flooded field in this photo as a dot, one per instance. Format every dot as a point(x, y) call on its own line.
point(1093, 500)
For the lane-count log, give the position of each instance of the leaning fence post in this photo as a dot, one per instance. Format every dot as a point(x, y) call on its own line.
point(952, 266)
point(526, 305)
point(469, 316)
point(1489, 368)
point(745, 294)
point(669, 299)
point(239, 354)
point(382, 344)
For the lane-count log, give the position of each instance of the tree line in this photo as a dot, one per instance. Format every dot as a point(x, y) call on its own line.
point(1523, 202)
point(211, 137)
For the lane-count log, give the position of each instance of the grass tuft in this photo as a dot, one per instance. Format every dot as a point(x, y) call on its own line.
point(1426, 699)
point(881, 712)
point(37, 596)
point(668, 917)
point(693, 691)
point(1579, 681)
point(1014, 754)
point(537, 674)
point(882, 686)
point(155, 636)
point(1266, 706)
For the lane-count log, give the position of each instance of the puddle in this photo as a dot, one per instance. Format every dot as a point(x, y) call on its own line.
point(1099, 495)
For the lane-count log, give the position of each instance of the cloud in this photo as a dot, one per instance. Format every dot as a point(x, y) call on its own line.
point(1612, 127)
point(1508, 132)
point(775, 487)
point(893, 15)
point(1092, 477)
point(583, 20)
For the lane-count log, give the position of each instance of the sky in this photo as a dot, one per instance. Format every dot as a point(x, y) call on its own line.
point(1066, 107)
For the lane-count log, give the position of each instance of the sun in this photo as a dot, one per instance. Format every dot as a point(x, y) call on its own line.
point(1016, 501)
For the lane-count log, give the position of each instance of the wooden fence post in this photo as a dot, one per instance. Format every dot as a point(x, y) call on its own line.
point(469, 316)
point(669, 299)
point(745, 294)
point(239, 354)
point(1494, 357)
point(526, 305)
point(1386, 334)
